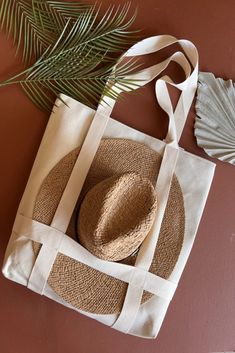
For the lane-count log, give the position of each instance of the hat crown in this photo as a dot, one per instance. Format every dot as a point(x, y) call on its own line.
point(116, 216)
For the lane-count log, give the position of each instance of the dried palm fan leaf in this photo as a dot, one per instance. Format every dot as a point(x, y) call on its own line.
point(215, 121)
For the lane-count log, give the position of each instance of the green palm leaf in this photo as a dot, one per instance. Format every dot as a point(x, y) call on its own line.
point(53, 15)
point(72, 66)
point(37, 25)
point(75, 49)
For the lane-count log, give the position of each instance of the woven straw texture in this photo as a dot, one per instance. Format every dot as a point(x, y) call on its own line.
point(88, 289)
point(116, 215)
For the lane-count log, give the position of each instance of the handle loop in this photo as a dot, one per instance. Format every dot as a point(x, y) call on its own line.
point(188, 87)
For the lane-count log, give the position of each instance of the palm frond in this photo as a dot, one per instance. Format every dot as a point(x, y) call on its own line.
point(78, 58)
point(75, 72)
point(36, 25)
point(53, 15)
point(111, 30)
point(68, 10)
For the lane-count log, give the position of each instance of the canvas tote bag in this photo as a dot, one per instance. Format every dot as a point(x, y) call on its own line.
point(58, 266)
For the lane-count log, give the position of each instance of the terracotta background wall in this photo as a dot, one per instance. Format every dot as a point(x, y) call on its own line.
point(201, 317)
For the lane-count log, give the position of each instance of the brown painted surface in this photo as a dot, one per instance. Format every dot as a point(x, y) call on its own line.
point(201, 317)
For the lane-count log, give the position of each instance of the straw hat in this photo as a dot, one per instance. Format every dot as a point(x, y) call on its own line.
point(114, 213)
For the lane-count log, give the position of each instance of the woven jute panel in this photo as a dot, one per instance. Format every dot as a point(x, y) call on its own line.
point(83, 287)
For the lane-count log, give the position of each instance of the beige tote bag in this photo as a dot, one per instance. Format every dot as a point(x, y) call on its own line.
point(86, 158)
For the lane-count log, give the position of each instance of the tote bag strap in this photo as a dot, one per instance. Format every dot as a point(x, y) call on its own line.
point(126, 319)
point(177, 118)
point(188, 87)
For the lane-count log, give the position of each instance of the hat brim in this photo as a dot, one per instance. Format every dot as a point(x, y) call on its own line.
point(80, 285)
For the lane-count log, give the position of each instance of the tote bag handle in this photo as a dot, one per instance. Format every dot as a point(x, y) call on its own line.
point(185, 60)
